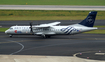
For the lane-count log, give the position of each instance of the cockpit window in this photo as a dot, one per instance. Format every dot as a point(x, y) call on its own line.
point(10, 28)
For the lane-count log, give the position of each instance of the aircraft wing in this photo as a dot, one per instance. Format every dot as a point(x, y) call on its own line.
point(54, 23)
point(47, 25)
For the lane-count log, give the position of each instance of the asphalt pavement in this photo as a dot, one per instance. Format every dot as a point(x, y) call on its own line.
point(65, 45)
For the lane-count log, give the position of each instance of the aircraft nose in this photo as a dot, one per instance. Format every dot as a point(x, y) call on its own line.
point(6, 31)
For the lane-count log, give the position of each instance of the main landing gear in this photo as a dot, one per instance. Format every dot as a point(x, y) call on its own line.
point(46, 36)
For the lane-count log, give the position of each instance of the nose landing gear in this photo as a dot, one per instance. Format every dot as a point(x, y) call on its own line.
point(10, 35)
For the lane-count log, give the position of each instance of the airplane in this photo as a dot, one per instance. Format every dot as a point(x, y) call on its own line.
point(51, 29)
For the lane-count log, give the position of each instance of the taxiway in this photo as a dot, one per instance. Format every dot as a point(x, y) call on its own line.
point(55, 46)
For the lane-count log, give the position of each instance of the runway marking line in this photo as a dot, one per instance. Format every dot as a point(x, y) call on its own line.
point(22, 47)
point(75, 55)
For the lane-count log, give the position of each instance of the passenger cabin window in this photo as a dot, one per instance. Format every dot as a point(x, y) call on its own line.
point(22, 28)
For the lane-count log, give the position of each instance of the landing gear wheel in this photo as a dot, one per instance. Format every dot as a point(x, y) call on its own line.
point(10, 35)
point(47, 36)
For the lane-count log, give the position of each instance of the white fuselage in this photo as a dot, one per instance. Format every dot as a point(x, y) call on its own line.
point(53, 30)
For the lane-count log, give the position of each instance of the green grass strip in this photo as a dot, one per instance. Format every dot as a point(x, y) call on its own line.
point(96, 32)
point(100, 26)
point(47, 15)
point(52, 2)
point(12, 18)
point(3, 29)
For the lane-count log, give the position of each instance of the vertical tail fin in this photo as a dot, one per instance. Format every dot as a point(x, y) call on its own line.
point(90, 19)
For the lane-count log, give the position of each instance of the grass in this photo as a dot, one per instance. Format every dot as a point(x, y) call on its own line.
point(47, 15)
point(96, 32)
point(103, 26)
point(52, 2)
point(3, 29)
point(41, 18)
point(12, 18)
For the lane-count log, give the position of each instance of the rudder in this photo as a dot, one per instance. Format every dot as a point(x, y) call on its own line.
point(90, 19)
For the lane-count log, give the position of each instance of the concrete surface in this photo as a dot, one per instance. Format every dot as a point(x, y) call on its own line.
point(50, 7)
point(32, 58)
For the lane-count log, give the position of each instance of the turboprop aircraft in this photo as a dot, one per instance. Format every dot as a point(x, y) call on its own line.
point(50, 29)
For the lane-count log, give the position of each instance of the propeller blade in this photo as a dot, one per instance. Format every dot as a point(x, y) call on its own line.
point(31, 30)
point(31, 24)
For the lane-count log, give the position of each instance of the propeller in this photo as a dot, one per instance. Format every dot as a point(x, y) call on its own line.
point(31, 27)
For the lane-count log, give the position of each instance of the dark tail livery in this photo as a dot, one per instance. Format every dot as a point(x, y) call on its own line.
point(90, 19)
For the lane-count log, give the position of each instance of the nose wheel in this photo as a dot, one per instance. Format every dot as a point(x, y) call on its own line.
point(10, 35)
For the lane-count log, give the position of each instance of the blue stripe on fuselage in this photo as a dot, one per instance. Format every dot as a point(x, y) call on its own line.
point(69, 29)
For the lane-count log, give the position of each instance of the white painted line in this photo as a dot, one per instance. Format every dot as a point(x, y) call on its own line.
point(6, 8)
point(99, 53)
point(50, 7)
point(22, 47)
point(0, 26)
